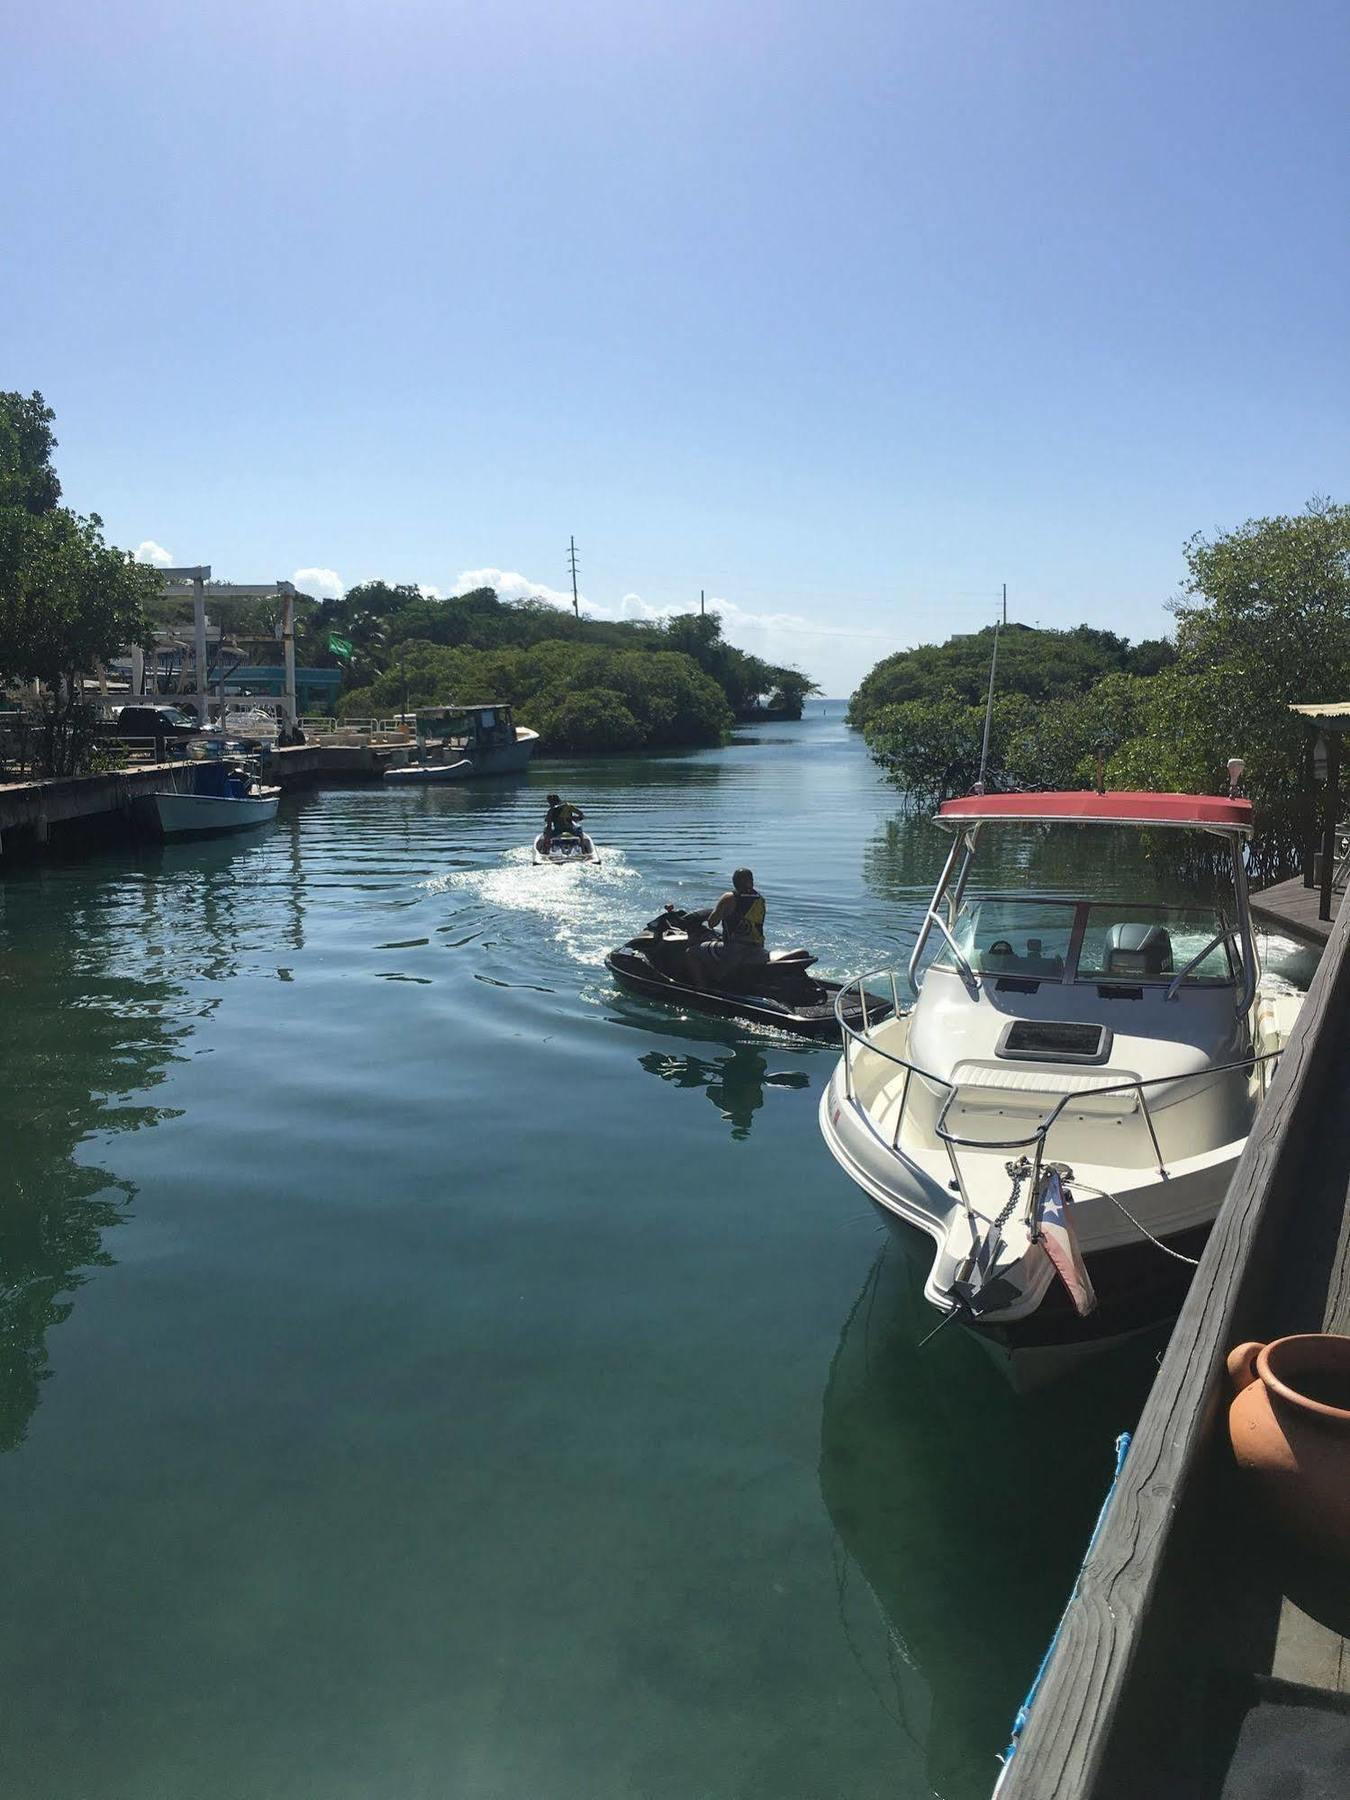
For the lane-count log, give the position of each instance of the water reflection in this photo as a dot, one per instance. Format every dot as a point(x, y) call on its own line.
point(962, 1513)
point(91, 1037)
point(734, 1081)
point(904, 859)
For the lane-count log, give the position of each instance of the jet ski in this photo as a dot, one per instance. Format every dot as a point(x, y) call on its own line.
point(565, 847)
point(780, 992)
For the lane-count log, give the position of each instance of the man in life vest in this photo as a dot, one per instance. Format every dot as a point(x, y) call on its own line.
point(740, 914)
point(562, 820)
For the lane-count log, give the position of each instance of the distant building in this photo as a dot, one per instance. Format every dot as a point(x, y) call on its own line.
point(316, 690)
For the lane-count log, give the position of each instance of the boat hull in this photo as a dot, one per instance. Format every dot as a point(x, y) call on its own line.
point(211, 815)
point(813, 1020)
point(431, 774)
point(1139, 1283)
point(505, 759)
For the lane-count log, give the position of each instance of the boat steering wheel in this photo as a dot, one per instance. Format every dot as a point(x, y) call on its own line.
point(1000, 947)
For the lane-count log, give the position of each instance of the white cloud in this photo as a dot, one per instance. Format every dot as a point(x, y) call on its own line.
point(511, 585)
point(324, 584)
point(148, 551)
point(429, 591)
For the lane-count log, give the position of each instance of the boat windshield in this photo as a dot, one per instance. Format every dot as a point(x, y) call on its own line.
point(1113, 940)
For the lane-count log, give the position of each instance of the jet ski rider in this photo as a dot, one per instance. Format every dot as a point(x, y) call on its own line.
point(562, 820)
point(740, 913)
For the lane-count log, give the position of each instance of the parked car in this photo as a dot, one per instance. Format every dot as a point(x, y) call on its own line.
point(169, 726)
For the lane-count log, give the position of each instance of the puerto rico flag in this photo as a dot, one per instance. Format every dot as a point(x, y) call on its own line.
point(1060, 1242)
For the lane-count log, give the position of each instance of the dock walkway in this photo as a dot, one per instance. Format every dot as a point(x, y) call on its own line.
point(1291, 907)
point(1190, 1613)
point(75, 807)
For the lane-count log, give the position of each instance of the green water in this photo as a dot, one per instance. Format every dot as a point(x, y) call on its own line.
point(426, 1372)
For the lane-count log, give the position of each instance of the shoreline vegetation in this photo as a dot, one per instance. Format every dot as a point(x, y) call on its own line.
point(585, 685)
point(1262, 623)
point(69, 602)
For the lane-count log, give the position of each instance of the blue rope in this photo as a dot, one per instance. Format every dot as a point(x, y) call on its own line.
point(1024, 1710)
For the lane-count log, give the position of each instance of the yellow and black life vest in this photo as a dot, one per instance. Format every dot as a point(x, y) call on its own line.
point(746, 921)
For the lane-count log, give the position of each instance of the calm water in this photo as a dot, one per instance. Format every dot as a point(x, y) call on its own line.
point(426, 1372)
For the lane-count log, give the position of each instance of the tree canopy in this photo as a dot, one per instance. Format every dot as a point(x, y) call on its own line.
point(589, 684)
point(577, 697)
point(68, 600)
point(1263, 622)
point(1040, 664)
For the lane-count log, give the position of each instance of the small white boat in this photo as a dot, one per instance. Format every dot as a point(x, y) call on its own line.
point(564, 847)
point(476, 740)
point(227, 800)
point(1061, 1108)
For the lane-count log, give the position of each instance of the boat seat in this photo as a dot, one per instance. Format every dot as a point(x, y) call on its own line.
point(985, 1087)
point(802, 959)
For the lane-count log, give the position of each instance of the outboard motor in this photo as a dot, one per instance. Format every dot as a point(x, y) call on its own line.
point(1138, 950)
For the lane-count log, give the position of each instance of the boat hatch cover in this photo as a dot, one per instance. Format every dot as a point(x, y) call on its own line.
point(1050, 1040)
point(1204, 812)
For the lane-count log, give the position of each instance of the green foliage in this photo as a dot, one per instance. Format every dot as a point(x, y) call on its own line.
point(1041, 664)
point(68, 600)
point(577, 697)
point(552, 659)
point(27, 479)
point(1263, 623)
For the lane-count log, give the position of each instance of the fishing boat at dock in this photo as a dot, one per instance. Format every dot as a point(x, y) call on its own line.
point(1059, 1109)
point(227, 798)
point(471, 741)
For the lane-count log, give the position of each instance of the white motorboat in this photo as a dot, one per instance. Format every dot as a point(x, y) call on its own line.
point(227, 799)
point(564, 847)
point(1061, 1107)
point(474, 741)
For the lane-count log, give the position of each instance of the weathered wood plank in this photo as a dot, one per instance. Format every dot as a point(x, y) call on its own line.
point(1067, 1744)
point(1290, 907)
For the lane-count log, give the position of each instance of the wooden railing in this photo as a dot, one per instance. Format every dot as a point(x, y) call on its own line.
point(1095, 1722)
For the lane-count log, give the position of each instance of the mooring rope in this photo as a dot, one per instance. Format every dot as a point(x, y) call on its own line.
point(1143, 1230)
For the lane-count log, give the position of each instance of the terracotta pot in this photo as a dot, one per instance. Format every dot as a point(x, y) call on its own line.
point(1290, 1427)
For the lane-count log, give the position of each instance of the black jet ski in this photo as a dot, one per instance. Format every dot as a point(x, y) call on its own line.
point(780, 992)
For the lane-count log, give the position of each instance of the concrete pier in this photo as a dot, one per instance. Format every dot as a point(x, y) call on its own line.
point(37, 814)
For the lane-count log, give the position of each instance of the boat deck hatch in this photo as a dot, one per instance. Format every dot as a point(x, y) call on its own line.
point(1050, 1040)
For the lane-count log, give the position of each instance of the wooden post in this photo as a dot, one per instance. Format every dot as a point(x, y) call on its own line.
point(1310, 789)
point(1330, 811)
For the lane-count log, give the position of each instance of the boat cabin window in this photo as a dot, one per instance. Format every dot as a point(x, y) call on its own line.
point(1124, 942)
point(1026, 938)
point(1036, 939)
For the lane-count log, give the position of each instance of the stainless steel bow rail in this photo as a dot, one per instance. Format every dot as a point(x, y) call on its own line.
point(1037, 1137)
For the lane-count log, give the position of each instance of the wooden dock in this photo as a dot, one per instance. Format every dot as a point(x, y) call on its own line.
point(73, 809)
point(1292, 908)
point(1190, 1612)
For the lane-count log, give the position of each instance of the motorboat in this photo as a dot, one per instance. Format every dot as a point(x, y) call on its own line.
point(470, 741)
point(227, 797)
point(1060, 1103)
point(564, 847)
point(781, 991)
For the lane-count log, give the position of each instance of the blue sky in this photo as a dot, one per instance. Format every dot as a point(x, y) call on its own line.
point(846, 314)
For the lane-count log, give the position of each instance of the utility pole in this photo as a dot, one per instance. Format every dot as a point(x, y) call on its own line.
point(702, 609)
point(1005, 603)
point(572, 564)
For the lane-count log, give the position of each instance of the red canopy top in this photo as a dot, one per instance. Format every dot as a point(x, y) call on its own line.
point(1206, 812)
